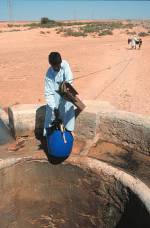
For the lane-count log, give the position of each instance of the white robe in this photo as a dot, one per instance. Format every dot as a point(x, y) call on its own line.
point(133, 43)
point(54, 100)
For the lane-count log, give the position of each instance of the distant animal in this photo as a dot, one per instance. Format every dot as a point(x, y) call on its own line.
point(133, 42)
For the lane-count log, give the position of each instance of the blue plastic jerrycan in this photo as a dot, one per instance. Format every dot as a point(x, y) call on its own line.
point(60, 143)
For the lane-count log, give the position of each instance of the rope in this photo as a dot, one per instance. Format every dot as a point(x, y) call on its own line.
point(98, 71)
point(107, 68)
point(114, 79)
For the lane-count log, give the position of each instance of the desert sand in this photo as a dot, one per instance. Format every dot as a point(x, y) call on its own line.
point(112, 71)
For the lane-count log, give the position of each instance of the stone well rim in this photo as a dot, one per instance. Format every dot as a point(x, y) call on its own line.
point(140, 189)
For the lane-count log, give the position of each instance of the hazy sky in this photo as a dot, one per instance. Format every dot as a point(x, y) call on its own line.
point(71, 9)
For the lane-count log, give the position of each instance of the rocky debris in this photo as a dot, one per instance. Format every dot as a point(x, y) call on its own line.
point(20, 143)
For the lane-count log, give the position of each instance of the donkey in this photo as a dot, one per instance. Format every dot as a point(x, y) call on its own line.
point(133, 42)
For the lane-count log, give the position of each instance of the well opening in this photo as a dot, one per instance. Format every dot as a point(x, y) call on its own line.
point(38, 194)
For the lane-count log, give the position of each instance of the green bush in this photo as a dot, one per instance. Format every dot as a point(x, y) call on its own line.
point(129, 26)
point(15, 30)
point(100, 27)
point(59, 30)
point(32, 25)
point(75, 23)
point(70, 32)
point(42, 32)
point(105, 32)
point(142, 34)
point(10, 25)
point(131, 33)
point(90, 28)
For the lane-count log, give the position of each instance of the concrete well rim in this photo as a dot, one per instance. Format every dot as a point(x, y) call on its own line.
point(135, 185)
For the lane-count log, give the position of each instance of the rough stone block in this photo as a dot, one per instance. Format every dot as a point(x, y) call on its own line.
point(129, 130)
point(4, 117)
point(26, 119)
point(87, 123)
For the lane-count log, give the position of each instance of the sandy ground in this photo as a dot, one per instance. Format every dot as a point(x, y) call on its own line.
point(122, 75)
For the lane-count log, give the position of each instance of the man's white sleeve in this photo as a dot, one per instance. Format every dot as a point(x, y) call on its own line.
point(49, 93)
point(68, 73)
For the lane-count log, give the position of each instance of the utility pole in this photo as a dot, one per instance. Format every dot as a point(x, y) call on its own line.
point(10, 9)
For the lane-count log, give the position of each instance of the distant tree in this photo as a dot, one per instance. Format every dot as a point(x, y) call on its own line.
point(44, 20)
